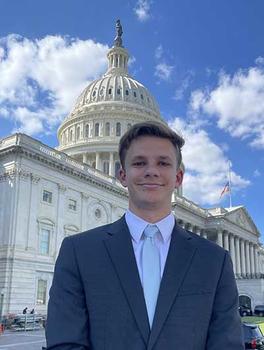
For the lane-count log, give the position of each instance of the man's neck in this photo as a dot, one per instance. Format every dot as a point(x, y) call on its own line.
point(150, 215)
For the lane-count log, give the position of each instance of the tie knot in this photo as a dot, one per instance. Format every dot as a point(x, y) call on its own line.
point(150, 231)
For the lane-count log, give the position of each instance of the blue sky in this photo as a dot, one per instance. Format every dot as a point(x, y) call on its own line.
point(202, 60)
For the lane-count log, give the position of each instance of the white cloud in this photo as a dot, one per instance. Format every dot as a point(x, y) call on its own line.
point(159, 52)
point(184, 85)
point(206, 165)
point(142, 10)
point(257, 173)
point(237, 103)
point(41, 79)
point(259, 60)
point(163, 71)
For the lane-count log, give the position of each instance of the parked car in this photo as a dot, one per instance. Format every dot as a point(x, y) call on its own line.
point(253, 337)
point(259, 310)
point(245, 310)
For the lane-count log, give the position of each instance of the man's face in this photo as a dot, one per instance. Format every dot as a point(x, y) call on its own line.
point(150, 174)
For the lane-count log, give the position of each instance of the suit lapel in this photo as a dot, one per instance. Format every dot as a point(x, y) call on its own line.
point(120, 249)
point(178, 261)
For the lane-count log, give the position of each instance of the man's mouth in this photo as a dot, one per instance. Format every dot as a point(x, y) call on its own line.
point(151, 185)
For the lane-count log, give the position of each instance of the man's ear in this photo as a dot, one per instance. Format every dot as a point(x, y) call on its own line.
point(179, 178)
point(122, 176)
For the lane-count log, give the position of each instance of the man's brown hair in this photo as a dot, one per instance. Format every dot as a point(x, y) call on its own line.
point(150, 128)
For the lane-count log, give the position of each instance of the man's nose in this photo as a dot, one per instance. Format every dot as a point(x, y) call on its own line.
point(151, 170)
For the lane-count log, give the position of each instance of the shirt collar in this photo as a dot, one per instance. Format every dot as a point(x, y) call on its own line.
point(137, 225)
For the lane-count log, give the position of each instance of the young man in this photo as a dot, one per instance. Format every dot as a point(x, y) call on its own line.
point(143, 283)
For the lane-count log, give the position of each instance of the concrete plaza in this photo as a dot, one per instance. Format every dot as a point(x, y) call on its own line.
point(22, 340)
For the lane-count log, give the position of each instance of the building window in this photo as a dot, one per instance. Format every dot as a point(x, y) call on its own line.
point(78, 132)
point(93, 165)
point(128, 126)
point(71, 135)
point(117, 167)
point(107, 129)
point(106, 167)
point(94, 93)
point(135, 94)
point(97, 213)
point(44, 241)
point(109, 91)
point(142, 97)
point(41, 292)
point(87, 130)
point(96, 131)
point(72, 205)
point(47, 196)
point(118, 91)
point(118, 129)
point(127, 92)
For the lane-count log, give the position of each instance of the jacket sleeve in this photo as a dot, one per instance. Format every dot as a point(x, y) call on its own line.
point(225, 330)
point(67, 322)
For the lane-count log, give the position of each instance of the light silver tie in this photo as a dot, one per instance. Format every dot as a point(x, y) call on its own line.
point(151, 270)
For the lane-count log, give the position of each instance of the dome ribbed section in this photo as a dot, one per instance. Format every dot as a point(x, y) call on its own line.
point(116, 88)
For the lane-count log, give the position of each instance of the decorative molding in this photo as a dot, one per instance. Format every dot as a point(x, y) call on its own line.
point(14, 172)
point(35, 179)
point(85, 196)
point(62, 188)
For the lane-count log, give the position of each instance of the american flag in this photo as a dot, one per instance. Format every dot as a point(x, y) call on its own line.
point(226, 189)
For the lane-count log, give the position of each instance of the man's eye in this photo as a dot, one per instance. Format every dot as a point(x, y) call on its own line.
point(138, 163)
point(164, 163)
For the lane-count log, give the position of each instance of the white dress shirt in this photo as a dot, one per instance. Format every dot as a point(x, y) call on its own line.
point(136, 227)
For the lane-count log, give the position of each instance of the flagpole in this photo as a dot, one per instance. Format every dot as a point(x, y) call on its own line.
point(229, 181)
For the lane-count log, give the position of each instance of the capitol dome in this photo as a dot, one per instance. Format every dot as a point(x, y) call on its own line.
point(104, 111)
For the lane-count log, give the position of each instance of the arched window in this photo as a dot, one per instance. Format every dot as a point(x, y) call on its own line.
point(87, 130)
point(96, 129)
point(107, 129)
point(118, 129)
point(106, 167)
point(117, 167)
point(78, 132)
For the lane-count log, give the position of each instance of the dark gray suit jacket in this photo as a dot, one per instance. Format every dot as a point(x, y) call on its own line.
point(97, 302)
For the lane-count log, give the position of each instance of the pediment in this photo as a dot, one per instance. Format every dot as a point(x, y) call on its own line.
point(241, 218)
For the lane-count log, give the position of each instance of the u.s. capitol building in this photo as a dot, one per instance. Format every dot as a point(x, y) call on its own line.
point(47, 194)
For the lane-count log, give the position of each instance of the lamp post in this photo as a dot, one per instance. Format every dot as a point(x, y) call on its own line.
point(1, 303)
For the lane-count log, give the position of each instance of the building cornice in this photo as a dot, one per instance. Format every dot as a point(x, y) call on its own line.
point(36, 150)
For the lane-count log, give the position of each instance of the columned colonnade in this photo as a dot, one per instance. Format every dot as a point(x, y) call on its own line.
point(110, 169)
point(244, 253)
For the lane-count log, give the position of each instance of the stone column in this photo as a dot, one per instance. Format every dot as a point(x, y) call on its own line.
point(248, 268)
point(238, 259)
point(31, 243)
point(226, 241)
point(60, 217)
point(85, 158)
point(190, 227)
point(243, 258)
point(256, 258)
point(84, 216)
point(219, 239)
point(111, 164)
point(204, 234)
point(252, 270)
point(232, 252)
point(97, 161)
point(198, 231)
point(187, 226)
